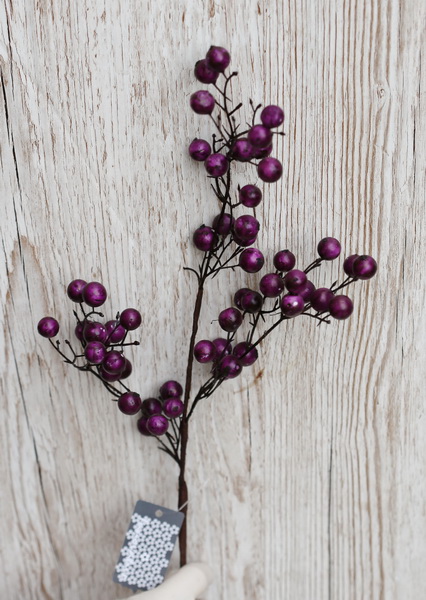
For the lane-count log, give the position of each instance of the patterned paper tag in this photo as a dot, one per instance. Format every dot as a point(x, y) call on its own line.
point(148, 546)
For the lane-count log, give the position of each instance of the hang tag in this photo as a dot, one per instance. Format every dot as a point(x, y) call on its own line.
point(148, 546)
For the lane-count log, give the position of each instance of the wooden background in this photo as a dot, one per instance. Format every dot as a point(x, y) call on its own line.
point(308, 474)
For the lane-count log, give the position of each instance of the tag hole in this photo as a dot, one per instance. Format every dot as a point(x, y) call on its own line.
point(158, 513)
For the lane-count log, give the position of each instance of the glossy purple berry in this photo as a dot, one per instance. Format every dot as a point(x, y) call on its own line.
point(130, 319)
point(306, 291)
point(251, 302)
point(321, 298)
point(115, 332)
point(218, 58)
point(242, 150)
point(284, 260)
point(171, 389)
point(48, 327)
point(129, 403)
point(216, 165)
point(271, 285)
point(250, 196)
point(173, 408)
point(230, 319)
point(348, 265)
point(341, 307)
point(245, 353)
point(364, 267)
point(113, 362)
point(246, 227)
point(75, 290)
point(251, 260)
point(269, 169)
point(204, 351)
point(222, 223)
point(294, 280)
point(202, 102)
point(262, 152)
point(143, 429)
point(79, 331)
point(204, 73)
point(94, 294)
point(152, 406)
point(205, 238)
point(229, 367)
point(127, 371)
point(329, 248)
point(292, 305)
point(157, 424)
point(93, 331)
point(95, 352)
point(259, 136)
point(199, 149)
point(272, 116)
point(223, 347)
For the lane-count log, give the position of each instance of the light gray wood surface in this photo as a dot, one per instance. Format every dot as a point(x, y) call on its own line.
point(308, 474)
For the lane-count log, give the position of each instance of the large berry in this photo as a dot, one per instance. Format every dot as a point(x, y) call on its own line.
point(329, 248)
point(222, 223)
point(251, 302)
point(306, 291)
point(245, 353)
point(216, 165)
point(202, 102)
point(204, 351)
point(173, 408)
point(246, 227)
point(157, 424)
point(230, 319)
point(114, 362)
point(95, 352)
point(271, 285)
point(251, 260)
point(269, 169)
point(259, 136)
point(321, 298)
point(218, 58)
point(205, 238)
point(129, 403)
point(48, 327)
point(292, 305)
point(204, 73)
point(341, 307)
point(242, 150)
point(222, 346)
point(294, 280)
point(115, 332)
point(250, 196)
point(272, 116)
point(75, 290)
point(171, 389)
point(130, 319)
point(284, 260)
point(93, 331)
point(229, 367)
point(94, 294)
point(199, 149)
point(364, 267)
point(152, 406)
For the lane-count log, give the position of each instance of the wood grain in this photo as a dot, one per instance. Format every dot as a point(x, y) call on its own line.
point(308, 473)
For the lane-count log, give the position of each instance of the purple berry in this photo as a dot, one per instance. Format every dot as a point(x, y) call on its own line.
point(230, 319)
point(204, 73)
point(348, 265)
point(222, 223)
point(272, 116)
point(109, 376)
point(223, 347)
point(143, 429)
point(129, 403)
point(341, 307)
point(246, 227)
point(329, 248)
point(306, 291)
point(95, 352)
point(245, 353)
point(271, 285)
point(75, 290)
point(262, 152)
point(157, 424)
point(284, 260)
point(202, 102)
point(364, 267)
point(199, 149)
point(269, 169)
point(242, 150)
point(204, 351)
point(292, 305)
point(79, 331)
point(250, 196)
point(115, 332)
point(238, 295)
point(152, 406)
point(205, 238)
point(251, 260)
point(173, 408)
point(93, 331)
point(216, 165)
point(229, 367)
point(127, 371)
point(94, 294)
point(130, 319)
point(321, 298)
point(251, 302)
point(218, 58)
point(113, 362)
point(294, 280)
point(259, 136)
point(171, 389)
point(48, 327)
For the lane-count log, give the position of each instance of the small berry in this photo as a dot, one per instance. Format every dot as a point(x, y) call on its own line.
point(246, 227)
point(292, 305)
point(171, 389)
point(143, 429)
point(329, 248)
point(130, 319)
point(218, 58)
point(364, 267)
point(173, 408)
point(321, 298)
point(204, 351)
point(223, 347)
point(205, 238)
point(284, 260)
point(114, 362)
point(269, 169)
point(152, 406)
point(75, 290)
point(93, 331)
point(222, 223)
point(242, 150)
point(199, 149)
point(94, 294)
point(341, 307)
point(230, 319)
point(229, 367)
point(271, 285)
point(294, 280)
point(251, 302)
point(202, 102)
point(251, 260)
point(250, 196)
point(129, 403)
point(95, 352)
point(157, 424)
point(48, 327)
point(115, 332)
point(272, 116)
point(259, 136)
point(245, 353)
point(216, 165)
point(348, 265)
point(204, 73)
